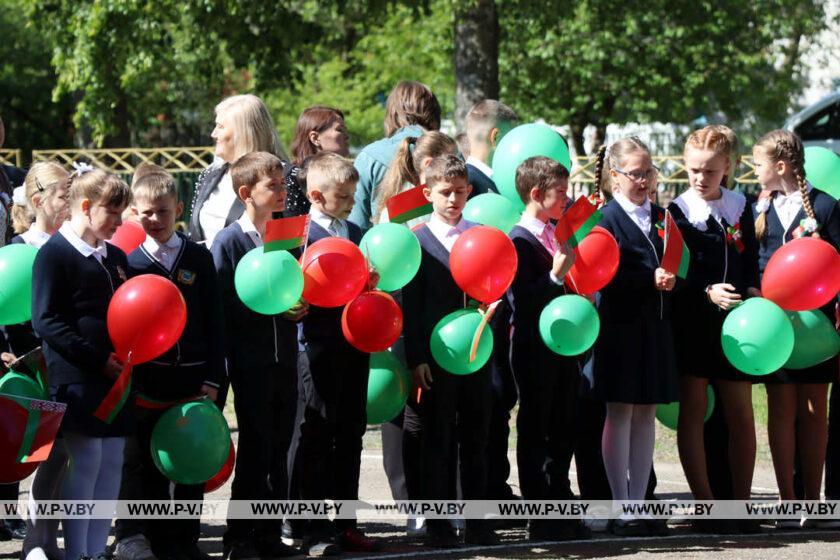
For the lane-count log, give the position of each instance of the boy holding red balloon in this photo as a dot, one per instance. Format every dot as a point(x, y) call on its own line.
point(261, 352)
point(454, 409)
point(547, 382)
point(331, 419)
point(74, 278)
point(194, 366)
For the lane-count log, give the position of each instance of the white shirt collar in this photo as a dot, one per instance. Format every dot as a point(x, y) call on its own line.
point(35, 237)
point(100, 251)
point(165, 253)
point(728, 207)
point(533, 224)
point(446, 233)
point(480, 165)
point(326, 221)
point(249, 229)
point(631, 207)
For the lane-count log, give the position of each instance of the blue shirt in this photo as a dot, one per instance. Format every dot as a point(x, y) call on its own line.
point(372, 163)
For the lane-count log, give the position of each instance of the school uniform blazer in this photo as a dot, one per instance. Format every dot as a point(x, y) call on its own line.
point(827, 212)
point(431, 295)
point(532, 289)
point(481, 183)
point(631, 293)
point(204, 186)
point(70, 297)
point(202, 342)
point(252, 340)
point(322, 325)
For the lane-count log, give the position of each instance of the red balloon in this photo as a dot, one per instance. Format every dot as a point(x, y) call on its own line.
point(803, 274)
point(12, 426)
point(334, 272)
point(596, 262)
point(483, 263)
point(224, 473)
point(128, 236)
point(146, 317)
point(372, 322)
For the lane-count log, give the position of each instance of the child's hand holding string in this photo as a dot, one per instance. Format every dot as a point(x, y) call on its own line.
point(724, 296)
point(296, 312)
point(422, 376)
point(664, 280)
point(564, 259)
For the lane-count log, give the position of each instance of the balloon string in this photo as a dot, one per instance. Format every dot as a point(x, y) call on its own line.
point(487, 314)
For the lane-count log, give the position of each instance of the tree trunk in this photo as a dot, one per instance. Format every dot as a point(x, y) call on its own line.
point(476, 55)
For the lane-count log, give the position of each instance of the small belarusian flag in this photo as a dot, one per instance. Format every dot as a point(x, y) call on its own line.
point(408, 205)
point(676, 257)
point(116, 397)
point(576, 222)
point(286, 233)
point(43, 419)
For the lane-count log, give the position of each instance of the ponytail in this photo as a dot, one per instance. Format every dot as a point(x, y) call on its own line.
point(806, 202)
point(22, 214)
point(597, 189)
point(761, 225)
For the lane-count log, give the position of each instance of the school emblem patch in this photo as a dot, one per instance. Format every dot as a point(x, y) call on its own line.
point(121, 273)
point(186, 277)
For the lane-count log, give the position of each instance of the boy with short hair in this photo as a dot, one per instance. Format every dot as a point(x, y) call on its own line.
point(487, 122)
point(547, 381)
point(261, 353)
point(332, 415)
point(194, 366)
point(454, 409)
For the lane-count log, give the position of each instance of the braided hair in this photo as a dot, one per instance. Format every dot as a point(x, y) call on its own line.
point(783, 145)
point(597, 193)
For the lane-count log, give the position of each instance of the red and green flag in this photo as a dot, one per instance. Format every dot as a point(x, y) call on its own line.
point(38, 428)
point(116, 397)
point(676, 257)
point(577, 222)
point(408, 205)
point(286, 233)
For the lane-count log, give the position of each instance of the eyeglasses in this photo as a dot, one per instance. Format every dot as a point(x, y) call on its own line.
point(638, 177)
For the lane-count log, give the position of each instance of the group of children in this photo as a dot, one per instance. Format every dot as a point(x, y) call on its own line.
point(300, 388)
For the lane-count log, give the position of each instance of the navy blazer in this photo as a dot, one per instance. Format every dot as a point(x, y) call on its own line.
point(252, 340)
point(532, 289)
point(204, 186)
point(202, 341)
point(481, 183)
point(431, 295)
point(827, 212)
point(322, 325)
point(70, 297)
point(632, 293)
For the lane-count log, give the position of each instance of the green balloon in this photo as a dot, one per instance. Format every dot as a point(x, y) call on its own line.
point(757, 337)
point(669, 414)
point(452, 339)
point(20, 385)
point(569, 325)
point(268, 282)
point(521, 143)
point(491, 209)
point(822, 169)
point(191, 442)
point(814, 339)
point(16, 261)
point(388, 387)
point(394, 252)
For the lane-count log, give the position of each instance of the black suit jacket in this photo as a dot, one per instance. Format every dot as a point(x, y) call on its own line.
point(206, 184)
point(481, 183)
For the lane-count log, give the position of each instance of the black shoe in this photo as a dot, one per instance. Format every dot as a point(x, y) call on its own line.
point(241, 550)
point(317, 547)
point(480, 534)
point(16, 528)
point(441, 536)
point(628, 528)
point(190, 551)
point(5, 533)
point(276, 548)
point(657, 527)
point(292, 532)
point(353, 540)
point(582, 532)
point(749, 526)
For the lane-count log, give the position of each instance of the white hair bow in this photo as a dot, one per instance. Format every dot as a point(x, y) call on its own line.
point(19, 195)
point(80, 168)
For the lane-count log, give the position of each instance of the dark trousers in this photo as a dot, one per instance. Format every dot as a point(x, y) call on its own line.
point(392, 457)
point(504, 396)
point(141, 480)
point(265, 400)
point(455, 420)
point(832, 457)
point(545, 427)
point(331, 421)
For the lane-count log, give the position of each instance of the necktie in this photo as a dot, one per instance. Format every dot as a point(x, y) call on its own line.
point(333, 229)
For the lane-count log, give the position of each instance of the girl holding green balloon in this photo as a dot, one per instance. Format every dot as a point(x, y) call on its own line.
point(717, 227)
point(797, 395)
point(635, 368)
